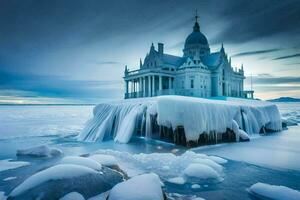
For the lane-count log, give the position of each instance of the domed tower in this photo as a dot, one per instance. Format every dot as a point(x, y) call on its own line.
point(196, 42)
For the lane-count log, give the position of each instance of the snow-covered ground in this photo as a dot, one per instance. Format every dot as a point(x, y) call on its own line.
point(272, 159)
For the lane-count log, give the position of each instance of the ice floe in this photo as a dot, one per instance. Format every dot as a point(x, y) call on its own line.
point(40, 151)
point(273, 192)
point(141, 187)
point(9, 178)
point(177, 180)
point(8, 164)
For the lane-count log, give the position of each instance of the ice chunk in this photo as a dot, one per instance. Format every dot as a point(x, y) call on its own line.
point(243, 135)
point(142, 187)
point(177, 180)
point(56, 172)
point(40, 151)
point(274, 192)
point(9, 164)
point(103, 159)
point(201, 171)
point(195, 186)
point(218, 168)
point(72, 196)
point(77, 160)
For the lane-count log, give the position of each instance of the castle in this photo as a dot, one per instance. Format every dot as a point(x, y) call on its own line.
point(198, 73)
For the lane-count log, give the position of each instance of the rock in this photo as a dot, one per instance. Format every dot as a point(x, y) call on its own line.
point(59, 180)
point(77, 160)
point(40, 151)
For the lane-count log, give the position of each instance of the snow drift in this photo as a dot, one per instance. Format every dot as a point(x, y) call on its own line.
point(121, 120)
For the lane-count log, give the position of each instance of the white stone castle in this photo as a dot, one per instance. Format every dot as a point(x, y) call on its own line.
point(197, 73)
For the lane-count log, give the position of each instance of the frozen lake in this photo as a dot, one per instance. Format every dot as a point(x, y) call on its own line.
point(273, 159)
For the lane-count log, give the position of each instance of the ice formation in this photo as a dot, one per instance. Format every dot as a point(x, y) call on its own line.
point(53, 173)
point(201, 171)
point(72, 196)
point(40, 151)
point(9, 164)
point(77, 160)
point(161, 163)
point(274, 192)
point(121, 120)
point(141, 187)
point(103, 159)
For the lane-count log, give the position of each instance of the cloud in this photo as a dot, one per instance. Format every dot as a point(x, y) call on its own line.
point(251, 53)
point(288, 56)
point(268, 79)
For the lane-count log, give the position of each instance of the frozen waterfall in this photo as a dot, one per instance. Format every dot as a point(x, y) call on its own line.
point(149, 116)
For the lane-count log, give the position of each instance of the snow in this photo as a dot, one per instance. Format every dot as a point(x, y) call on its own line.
point(103, 159)
point(274, 192)
point(82, 161)
point(8, 164)
point(72, 196)
point(40, 151)
point(196, 115)
point(167, 165)
point(141, 187)
point(9, 178)
point(201, 171)
point(56, 172)
point(177, 180)
point(277, 151)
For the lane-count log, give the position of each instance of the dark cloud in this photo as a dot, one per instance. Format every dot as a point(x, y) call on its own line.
point(268, 79)
point(251, 53)
point(288, 56)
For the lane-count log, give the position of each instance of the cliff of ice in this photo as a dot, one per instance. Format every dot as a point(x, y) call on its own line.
point(120, 120)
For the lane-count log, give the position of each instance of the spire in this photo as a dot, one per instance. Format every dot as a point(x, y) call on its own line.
point(196, 26)
point(222, 48)
point(126, 70)
point(141, 64)
point(152, 47)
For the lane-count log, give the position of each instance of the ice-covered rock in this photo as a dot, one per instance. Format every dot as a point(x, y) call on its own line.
point(119, 120)
point(243, 136)
point(217, 159)
point(40, 151)
point(141, 187)
point(77, 160)
point(72, 196)
point(59, 180)
point(2, 196)
point(201, 171)
point(195, 186)
point(8, 164)
point(273, 192)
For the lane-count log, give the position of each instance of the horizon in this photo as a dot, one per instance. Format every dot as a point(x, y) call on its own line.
point(63, 52)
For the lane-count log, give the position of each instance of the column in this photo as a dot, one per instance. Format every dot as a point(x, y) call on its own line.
point(170, 82)
point(140, 87)
point(149, 86)
point(126, 89)
point(160, 82)
point(144, 86)
point(153, 85)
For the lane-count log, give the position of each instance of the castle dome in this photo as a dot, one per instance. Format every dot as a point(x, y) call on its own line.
point(196, 37)
point(196, 42)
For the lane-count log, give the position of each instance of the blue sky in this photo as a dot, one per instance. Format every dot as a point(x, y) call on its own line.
point(75, 51)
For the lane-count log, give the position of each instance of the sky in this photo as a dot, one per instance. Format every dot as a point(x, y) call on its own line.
point(74, 51)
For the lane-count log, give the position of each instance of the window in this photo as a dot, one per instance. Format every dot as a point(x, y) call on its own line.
point(192, 83)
